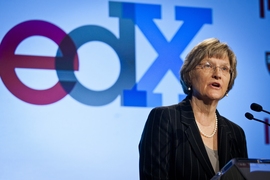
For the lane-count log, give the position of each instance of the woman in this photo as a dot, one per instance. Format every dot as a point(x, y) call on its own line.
point(191, 140)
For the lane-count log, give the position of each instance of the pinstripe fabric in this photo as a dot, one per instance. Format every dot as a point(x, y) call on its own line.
point(171, 146)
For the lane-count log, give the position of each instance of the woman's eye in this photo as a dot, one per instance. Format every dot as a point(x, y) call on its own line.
point(207, 65)
point(224, 68)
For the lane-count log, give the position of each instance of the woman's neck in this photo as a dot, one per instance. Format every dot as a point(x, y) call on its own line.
point(204, 112)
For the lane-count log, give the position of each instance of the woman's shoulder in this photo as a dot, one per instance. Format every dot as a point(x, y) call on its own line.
point(162, 110)
point(225, 122)
point(174, 107)
point(168, 107)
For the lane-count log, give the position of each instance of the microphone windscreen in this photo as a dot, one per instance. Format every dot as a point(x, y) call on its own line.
point(256, 107)
point(249, 116)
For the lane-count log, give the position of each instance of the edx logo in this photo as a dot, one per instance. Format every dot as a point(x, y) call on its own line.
point(66, 60)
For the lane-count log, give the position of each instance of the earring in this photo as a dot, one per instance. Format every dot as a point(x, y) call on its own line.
point(227, 95)
point(189, 88)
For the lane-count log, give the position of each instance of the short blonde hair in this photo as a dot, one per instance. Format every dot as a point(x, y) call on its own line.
point(209, 48)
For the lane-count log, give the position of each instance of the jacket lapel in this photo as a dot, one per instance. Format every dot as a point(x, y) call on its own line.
point(224, 136)
point(194, 138)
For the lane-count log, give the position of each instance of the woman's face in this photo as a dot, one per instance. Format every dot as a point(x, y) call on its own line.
point(210, 78)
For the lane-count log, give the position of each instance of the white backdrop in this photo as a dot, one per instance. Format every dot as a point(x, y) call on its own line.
point(70, 138)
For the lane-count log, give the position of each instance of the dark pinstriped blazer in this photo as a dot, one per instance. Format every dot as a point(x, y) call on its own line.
point(171, 146)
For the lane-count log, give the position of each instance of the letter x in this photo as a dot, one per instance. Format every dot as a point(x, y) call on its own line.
point(168, 52)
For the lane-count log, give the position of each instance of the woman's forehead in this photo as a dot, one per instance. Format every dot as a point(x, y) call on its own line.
point(214, 59)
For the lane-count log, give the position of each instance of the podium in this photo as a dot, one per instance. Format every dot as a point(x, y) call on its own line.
point(245, 169)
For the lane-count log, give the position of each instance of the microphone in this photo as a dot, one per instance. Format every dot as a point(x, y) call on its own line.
point(251, 117)
point(258, 108)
